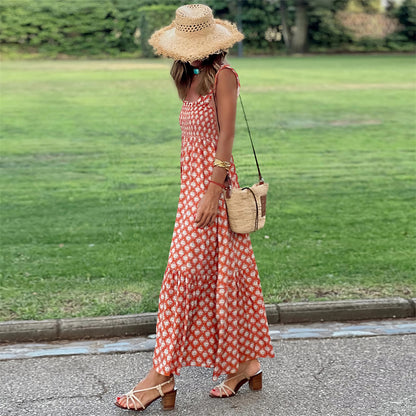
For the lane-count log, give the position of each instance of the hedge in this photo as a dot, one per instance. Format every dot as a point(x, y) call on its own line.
point(152, 18)
point(119, 27)
point(81, 27)
point(78, 27)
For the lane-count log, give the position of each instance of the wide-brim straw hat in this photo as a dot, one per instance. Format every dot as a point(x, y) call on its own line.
point(194, 35)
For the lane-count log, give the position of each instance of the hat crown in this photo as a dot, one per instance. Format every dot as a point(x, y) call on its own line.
point(194, 35)
point(193, 18)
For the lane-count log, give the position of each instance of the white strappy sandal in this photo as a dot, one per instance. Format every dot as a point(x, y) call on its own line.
point(168, 399)
point(255, 383)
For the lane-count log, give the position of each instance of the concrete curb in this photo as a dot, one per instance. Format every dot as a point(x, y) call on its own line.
point(145, 323)
point(346, 310)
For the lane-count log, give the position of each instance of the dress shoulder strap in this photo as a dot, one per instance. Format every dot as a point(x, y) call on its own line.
point(225, 66)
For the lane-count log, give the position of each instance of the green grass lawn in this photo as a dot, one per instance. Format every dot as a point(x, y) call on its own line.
point(90, 180)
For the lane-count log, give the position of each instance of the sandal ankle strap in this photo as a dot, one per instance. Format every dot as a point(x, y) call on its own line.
point(158, 387)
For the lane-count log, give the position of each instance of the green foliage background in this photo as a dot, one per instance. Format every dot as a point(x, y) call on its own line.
point(152, 18)
point(122, 27)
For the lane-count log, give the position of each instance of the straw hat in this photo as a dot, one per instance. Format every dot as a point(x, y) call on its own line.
point(194, 34)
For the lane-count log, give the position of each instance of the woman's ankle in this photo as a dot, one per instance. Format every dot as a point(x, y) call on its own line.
point(158, 376)
point(249, 367)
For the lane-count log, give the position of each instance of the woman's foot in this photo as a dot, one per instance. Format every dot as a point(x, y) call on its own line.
point(152, 379)
point(233, 382)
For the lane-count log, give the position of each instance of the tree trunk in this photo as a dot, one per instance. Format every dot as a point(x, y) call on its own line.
point(300, 35)
point(285, 25)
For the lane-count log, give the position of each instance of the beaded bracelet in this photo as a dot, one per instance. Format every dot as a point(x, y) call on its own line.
point(222, 164)
point(216, 183)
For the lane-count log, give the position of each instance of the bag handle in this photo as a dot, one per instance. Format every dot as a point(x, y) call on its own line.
point(261, 180)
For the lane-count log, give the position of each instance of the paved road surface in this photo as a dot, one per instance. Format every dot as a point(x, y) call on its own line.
point(346, 376)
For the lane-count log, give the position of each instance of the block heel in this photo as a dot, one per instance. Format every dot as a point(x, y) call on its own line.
point(168, 400)
point(256, 382)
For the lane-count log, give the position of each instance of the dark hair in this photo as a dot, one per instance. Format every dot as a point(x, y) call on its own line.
point(183, 73)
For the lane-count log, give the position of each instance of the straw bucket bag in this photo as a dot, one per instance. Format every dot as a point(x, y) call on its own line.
point(246, 207)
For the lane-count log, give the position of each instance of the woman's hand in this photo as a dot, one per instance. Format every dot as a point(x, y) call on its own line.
point(208, 207)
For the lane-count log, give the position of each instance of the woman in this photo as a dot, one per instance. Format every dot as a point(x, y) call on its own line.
point(211, 308)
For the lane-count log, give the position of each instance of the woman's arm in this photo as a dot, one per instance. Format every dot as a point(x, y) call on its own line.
point(226, 100)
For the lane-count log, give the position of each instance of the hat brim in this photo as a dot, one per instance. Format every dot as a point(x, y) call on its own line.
point(195, 46)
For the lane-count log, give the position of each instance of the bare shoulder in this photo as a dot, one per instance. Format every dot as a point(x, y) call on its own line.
point(227, 80)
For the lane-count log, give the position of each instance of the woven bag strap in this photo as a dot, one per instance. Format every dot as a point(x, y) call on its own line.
point(261, 180)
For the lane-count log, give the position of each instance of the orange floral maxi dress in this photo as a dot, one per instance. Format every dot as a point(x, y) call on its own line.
point(211, 308)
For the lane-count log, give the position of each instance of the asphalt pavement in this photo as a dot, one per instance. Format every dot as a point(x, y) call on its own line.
point(341, 370)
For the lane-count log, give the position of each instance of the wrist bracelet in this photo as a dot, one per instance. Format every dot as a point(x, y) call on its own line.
point(216, 183)
point(222, 164)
